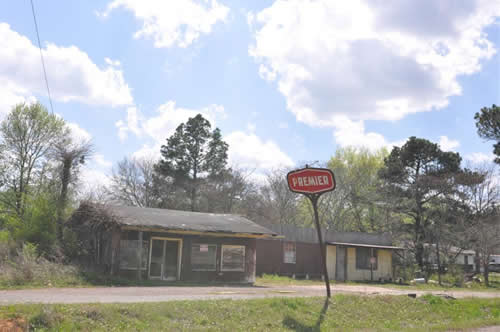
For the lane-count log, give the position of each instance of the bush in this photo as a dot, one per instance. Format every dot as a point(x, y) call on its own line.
point(47, 318)
point(4, 247)
point(27, 268)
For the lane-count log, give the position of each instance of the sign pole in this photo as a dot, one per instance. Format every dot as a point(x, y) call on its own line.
point(314, 200)
point(312, 182)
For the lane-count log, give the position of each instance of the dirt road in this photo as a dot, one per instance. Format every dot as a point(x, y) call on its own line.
point(172, 293)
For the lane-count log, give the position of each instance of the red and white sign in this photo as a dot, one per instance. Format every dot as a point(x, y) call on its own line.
point(311, 180)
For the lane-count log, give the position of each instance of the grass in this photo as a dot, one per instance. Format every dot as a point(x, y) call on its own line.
point(275, 280)
point(342, 313)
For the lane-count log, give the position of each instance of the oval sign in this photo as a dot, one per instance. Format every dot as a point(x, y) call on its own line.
point(311, 180)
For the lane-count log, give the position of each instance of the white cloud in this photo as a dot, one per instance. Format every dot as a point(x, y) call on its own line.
point(370, 60)
point(132, 123)
point(163, 124)
point(249, 151)
point(114, 63)
point(78, 133)
point(92, 179)
point(148, 152)
point(251, 127)
point(172, 23)
point(352, 133)
point(245, 150)
point(102, 162)
point(10, 95)
point(71, 73)
point(479, 157)
point(448, 144)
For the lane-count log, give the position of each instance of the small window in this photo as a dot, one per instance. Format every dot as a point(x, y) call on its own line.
point(466, 260)
point(364, 259)
point(233, 258)
point(128, 254)
point(203, 257)
point(289, 253)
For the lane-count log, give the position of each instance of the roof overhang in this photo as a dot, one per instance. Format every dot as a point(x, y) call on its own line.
point(205, 233)
point(364, 245)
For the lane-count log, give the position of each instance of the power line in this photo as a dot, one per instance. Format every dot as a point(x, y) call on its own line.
point(41, 56)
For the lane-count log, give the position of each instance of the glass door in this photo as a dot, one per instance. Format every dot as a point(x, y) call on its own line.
point(165, 258)
point(171, 260)
point(156, 262)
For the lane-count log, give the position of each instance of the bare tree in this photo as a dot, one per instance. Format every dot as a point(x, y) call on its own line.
point(486, 235)
point(281, 201)
point(481, 196)
point(134, 182)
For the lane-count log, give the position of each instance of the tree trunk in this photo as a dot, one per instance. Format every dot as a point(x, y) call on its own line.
point(193, 187)
point(65, 179)
point(477, 262)
point(419, 245)
point(438, 263)
point(486, 272)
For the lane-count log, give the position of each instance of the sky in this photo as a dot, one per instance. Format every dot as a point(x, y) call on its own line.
point(285, 81)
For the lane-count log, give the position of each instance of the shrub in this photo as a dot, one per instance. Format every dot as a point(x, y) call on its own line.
point(28, 268)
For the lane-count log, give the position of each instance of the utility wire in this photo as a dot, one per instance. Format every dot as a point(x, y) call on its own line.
point(41, 56)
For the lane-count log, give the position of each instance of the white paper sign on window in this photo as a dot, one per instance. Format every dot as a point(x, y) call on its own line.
point(204, 247)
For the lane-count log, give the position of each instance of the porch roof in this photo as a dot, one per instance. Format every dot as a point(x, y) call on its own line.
point(364, 245)
point(174, 220)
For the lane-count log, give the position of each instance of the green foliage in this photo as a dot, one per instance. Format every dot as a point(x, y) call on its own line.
point(27, 136)
point(353, 204)
point(192, 151)
point(357, 170)
point(488, 127)
point(416, 177)
point(39, 223)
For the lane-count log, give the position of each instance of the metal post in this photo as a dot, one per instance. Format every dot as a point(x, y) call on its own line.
point(322, 248)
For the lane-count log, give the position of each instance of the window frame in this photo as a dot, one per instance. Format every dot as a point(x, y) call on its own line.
point(372, 252)
point(144, 261)
point(215, 253)
point(285, 244)
point(222, 258)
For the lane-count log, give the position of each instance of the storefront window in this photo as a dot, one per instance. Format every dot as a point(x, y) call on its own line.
point(128, 254)
point(203, 257)
point(289, 253)
point(233, 258)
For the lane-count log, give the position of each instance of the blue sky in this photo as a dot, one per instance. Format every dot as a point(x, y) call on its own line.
point(286, 81)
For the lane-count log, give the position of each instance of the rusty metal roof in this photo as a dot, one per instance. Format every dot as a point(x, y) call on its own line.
point(363, 245)
point(187, 221)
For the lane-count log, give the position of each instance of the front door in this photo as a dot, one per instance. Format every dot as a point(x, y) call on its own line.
point(340, 264)
point(165, 258)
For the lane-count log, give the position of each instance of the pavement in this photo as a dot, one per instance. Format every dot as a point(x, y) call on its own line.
point(174, 293)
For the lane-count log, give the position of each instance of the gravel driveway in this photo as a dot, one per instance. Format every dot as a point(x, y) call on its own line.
point(172, 293)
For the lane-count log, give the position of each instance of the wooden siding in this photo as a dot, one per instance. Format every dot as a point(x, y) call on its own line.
point(383, 271)
point(331, 254)
point(270, 259)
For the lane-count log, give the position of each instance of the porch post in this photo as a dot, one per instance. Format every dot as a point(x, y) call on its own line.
point(371, 264)
point(139, 257)
point(115, 250)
